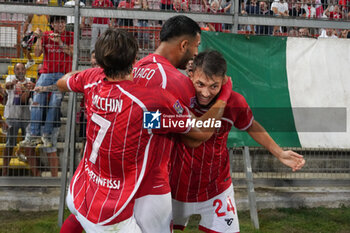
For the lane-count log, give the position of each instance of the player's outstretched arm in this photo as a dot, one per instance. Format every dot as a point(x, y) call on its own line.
point(62, 82)
point(288, 158)
point(198, 135)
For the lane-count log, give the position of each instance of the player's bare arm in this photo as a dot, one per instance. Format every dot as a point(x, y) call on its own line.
point(288, 158)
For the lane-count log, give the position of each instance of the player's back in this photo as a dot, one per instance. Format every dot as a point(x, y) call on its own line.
point(116, 154)
point(156, 71)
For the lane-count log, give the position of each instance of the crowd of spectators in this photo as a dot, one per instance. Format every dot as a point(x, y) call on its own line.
point(310, 9)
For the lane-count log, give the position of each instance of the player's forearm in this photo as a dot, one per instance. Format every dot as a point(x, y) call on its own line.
point(202, 134)
point(259, 134)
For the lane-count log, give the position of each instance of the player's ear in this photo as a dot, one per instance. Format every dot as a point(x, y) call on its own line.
point(183, 45)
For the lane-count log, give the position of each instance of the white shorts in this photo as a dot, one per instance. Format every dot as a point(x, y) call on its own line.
point(153, 213)
point(218, 214)
point(127, 226)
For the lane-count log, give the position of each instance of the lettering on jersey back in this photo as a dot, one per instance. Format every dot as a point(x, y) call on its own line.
point(108, 183)
point(107, 104)
point(146, 73)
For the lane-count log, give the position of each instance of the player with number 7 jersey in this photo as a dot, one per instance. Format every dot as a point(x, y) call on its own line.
point(116, 156)
point(117, 149)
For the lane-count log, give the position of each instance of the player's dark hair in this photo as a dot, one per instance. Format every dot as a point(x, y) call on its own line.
point(178, 26)
point(115, 52)
point(211, 62)
point(54, 18)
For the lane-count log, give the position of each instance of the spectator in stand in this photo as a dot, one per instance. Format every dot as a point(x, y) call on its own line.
point(17, 112)
point(252, 8)
point(334, 12)
point(57, 46)
point(293, 32)
point(264, 10)
point(280, 9)
point(98, 25)
point(30, 38)
point(189, 68)
point(126, 4)
point(328, 33)
point(70, 19)
point(180, 5)
point(344, 33)
point(319, 8)
point(51, 152)
point(214, 9)
point(297, 10)
point(195, 5)
point(143, 36)
point(304, 32)
point(166, 5)
point(310, 10)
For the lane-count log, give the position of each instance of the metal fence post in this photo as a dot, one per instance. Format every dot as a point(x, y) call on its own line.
point(250, 187)
point(70, 124)
point(235, 16)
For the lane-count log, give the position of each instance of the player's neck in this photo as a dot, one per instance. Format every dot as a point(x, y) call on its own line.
point(120, 78)
point(167, 51)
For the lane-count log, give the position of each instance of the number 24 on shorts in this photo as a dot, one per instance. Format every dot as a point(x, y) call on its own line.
point(218, 203)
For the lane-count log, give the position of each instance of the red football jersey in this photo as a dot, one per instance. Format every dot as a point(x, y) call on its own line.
point(55, 60)
point(156, 71)
point(117, 152)
point(201, 173)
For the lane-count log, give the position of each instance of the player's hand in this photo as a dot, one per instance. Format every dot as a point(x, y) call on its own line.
point(292, 160)
point(226, 89)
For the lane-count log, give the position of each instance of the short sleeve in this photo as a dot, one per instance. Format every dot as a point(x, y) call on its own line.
point(240, 112)
point(76, 82)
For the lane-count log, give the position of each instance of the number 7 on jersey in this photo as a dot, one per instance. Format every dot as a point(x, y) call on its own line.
point(104, 125)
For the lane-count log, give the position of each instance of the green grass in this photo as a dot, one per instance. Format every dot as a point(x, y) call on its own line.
point(304, 220)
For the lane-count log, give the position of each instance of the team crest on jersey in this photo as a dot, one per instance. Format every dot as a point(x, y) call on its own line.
point(178, 108)
point(192, 102)
point(151, 120)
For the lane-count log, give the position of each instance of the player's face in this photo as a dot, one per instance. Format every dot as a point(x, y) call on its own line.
point(206, 88)
point(191, 51)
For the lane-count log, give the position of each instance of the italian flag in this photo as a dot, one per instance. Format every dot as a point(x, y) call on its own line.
point(298, 88)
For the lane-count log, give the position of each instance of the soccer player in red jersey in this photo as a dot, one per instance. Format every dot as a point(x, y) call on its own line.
point(200, 178)
point(120, 149)
point(180, 38)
